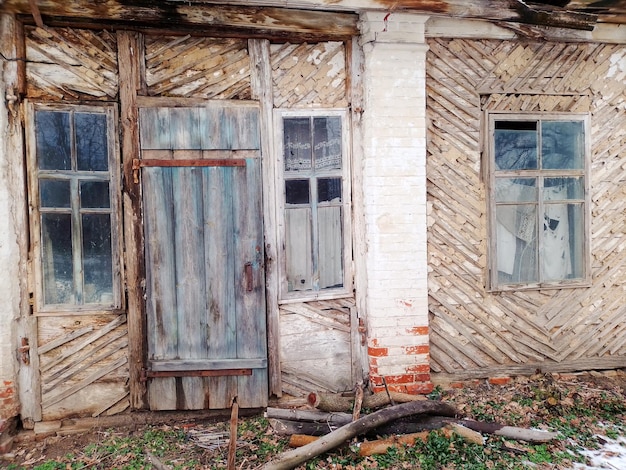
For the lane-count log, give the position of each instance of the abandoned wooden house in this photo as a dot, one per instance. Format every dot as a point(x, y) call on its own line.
point(203, 201)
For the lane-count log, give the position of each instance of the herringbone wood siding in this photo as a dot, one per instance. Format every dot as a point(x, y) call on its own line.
point(70, 63)
point(197, 67)
point(474, 332)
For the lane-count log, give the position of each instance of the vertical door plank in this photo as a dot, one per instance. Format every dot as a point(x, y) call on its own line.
point(209, 124)
point(219, 246)
point(155, 128)
point(250, 293)
point(185, 128)
point(162, 394)
point(190, 275)
point(161, 305)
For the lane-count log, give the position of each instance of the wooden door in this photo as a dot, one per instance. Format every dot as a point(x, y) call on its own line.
point(205, 298)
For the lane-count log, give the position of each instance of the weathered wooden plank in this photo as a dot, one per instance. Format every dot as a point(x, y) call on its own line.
point(50, 345)
point(220, 279)
point(130, 54)
point(192, 364)
point(250, 282)
point(188, 240)
point(110, 404)
point(261, 84)
point(49, 400)
point(193, 155)
point(68, 352)
point(182, 15)
point(161, 301)
point(85, 361)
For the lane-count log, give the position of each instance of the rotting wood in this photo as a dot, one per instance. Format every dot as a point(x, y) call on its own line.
point(336, 418)
point(417, 424)
point(293, 458)
point(334, 402)
point(130, 57)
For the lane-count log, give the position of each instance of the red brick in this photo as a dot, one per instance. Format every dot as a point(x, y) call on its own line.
point(400, 379)
point(422, 377)
point(499, 380)
point(422, 349)
point(419, 369)
point(419, 388)
point(418, 330)
point(377, 352)
point(457, 385)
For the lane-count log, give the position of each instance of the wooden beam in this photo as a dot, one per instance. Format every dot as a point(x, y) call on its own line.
point(254, 21)
point(130, 56)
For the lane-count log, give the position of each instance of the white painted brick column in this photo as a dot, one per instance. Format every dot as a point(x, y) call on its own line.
point(394, 188)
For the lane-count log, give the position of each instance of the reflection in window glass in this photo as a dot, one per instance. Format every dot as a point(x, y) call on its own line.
point(516, 145)
point(54, 193)
point(94, 194)
point(97, 256)
point(75, 210)
point(56, 246)
point(539, 219)
point(91, 142)
point(52, 132)
point(562, 145)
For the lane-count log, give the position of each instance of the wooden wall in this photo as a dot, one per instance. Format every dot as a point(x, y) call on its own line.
point(319, 340)
point(475, 333)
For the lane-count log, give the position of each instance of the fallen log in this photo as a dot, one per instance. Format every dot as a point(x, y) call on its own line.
point(421, 423)
point(337, 418)
point(285, 427)
point(381, 446)
point(295, 457)
point(334, 402)
point(520, 434)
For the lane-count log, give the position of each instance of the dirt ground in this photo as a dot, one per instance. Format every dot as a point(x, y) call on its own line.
point(501, 403)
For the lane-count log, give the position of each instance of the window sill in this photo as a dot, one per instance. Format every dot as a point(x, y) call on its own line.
point(540, 287)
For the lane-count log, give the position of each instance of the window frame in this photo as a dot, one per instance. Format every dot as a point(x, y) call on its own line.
point(346, 206)
point(109, 110)
point(493, 284)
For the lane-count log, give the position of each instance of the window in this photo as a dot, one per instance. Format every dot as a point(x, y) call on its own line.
point(315, 197)
point(74, 198)
point(539, 206)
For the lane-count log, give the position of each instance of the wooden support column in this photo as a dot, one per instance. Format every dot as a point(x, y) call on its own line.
point(261, 78)
point(130, 58)
point(18, 324)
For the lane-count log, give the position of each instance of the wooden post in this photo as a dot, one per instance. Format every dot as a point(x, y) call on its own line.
point(129, 50)
point(232, 443)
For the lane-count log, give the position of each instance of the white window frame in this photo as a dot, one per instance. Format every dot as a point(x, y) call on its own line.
point(330, 293)
point(36, 268)
point(493, 283)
